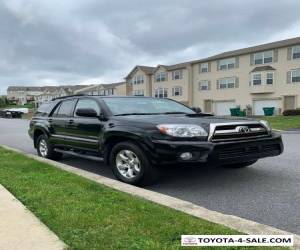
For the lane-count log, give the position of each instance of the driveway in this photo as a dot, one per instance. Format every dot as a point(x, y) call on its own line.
point(268, 192)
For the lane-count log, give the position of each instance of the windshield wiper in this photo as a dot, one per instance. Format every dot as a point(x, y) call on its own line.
point(137, 114)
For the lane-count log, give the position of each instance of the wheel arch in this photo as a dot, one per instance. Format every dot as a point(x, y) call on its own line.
point(116, 137)
point(37, 133)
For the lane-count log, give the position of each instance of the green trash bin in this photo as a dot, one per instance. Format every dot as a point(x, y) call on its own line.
point(269, 111)
point(242, 113)
point(235, 111)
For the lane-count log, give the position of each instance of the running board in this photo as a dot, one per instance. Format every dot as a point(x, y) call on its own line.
point(88, 157)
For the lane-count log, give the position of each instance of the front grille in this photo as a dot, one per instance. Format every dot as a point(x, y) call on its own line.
point(250, 151)
point(237, 131)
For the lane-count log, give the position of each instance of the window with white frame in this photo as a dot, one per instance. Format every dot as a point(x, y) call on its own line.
point(263, 57)
point(176, 75)
point(203, 67)
point(203, 85)
point(160, 76)
point(269, 78)
point(256, 79)
point(227, 83)
point(138, 79)
point(295, 74)
point(228, 63)
point(138, 92)
point(296, 52)
point(177, 91)
point(161, 93)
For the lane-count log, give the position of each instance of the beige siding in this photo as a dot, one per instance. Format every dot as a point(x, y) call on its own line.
point(121, 90)
point(170, 84)
point(246, 94)
point(146, 86)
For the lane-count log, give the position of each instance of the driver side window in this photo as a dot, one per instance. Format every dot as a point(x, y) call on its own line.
point(87, 104)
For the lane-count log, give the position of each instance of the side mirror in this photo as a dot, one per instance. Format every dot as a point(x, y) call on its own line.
point(86, 112)
point(197, 110)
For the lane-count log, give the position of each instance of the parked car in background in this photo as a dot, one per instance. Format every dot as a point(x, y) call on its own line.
point(13, 112)
point(136, 135)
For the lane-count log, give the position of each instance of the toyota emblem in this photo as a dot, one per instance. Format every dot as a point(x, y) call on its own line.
point(242, 129)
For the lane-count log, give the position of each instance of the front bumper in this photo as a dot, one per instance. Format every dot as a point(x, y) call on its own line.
point(216, 153)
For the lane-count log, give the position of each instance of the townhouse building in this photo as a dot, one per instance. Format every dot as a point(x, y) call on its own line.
point(111, 89)
point(173, 81)
point(140, 79)
point(261, 76)
point(163, 81)
point(36, 95)
point(21, 95)
point(252, 78)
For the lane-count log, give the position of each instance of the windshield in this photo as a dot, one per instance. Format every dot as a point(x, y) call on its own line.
point(145, 106)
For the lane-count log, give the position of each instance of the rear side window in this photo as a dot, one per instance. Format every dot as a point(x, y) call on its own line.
point(65, 109)
point(45, 109)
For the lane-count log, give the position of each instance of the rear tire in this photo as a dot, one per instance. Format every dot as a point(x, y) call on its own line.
point(45, 149)
point(239, 165)
point(130, 165)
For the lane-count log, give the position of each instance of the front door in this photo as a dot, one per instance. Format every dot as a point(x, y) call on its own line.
point(85, 132)
point(289, 102)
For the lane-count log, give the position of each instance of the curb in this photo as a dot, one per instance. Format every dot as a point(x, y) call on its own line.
point(231, 221)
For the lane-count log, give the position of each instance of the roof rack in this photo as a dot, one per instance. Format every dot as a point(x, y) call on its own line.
point(67, 96)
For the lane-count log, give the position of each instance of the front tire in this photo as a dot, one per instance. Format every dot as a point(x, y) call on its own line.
point(46, 150)
point(239, 165)
point(130, 165)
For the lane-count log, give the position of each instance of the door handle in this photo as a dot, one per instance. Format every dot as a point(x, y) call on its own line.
point(50, 120)
point(71, 121)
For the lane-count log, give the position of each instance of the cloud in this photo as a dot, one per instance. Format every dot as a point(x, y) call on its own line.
point(79, 41)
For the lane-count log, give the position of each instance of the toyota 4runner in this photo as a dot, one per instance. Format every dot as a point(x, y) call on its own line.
point(136, 135)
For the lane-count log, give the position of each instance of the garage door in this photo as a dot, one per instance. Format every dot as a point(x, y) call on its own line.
point(259, 105)
point(223, 108)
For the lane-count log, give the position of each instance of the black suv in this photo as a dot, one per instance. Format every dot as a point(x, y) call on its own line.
point(136, 135)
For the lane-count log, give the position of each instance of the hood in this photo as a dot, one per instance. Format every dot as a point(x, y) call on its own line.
point(154, 120)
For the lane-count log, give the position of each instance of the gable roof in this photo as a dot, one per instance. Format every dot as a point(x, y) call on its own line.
point(147, 69)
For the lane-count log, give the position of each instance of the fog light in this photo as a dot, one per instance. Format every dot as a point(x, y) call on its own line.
point(186, 156)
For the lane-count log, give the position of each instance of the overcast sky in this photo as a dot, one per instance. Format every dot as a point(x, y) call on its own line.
point(96, 41)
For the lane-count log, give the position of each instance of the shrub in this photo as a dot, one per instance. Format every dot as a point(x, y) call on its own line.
point(291, 112)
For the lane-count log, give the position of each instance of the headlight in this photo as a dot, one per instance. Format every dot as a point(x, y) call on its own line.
point(182, 130)
point(266, 124)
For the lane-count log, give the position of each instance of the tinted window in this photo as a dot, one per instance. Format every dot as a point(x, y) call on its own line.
point(65, 109)
point(45, 109)
point(87, 104)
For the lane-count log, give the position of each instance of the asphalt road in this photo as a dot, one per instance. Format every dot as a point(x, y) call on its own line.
point(268, 192)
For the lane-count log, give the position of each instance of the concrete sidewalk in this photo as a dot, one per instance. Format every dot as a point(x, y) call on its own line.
point(20, 229)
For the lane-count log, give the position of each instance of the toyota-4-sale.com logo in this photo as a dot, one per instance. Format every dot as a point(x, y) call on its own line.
point(237, 240)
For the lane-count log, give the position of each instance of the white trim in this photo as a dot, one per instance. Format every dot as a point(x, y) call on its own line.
point(292, 56)
point(226, 79)
point(263, 57)
point(226, 62)
point(200, 85)
point(294, 70)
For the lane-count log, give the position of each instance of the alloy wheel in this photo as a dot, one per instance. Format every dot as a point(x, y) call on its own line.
point(128, 164)
point(43, 148)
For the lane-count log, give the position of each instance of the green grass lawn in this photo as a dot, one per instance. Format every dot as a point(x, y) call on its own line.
point(86, 215)
point(283, 122)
